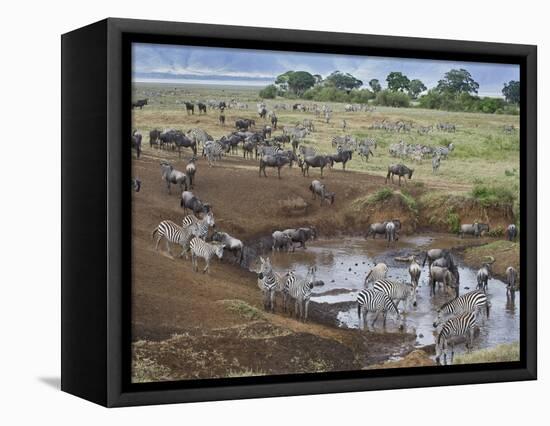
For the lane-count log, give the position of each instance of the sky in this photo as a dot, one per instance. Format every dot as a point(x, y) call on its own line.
point(212, 65)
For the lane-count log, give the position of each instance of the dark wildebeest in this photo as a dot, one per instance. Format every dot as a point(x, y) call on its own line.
point(281, 241)
point(439, 274)
point(274, 120)
point(154, 136)
point(273, 161)
point(470, 229)
point(266, 132)
point(400, 170)
point(282, 139)
point(316, 161)
point(190, 107)
point(230, 243)
point(140, 103)
point(262, 112)
point(301, 235)
point(191, 202)
point(376, 228)
point(171, 175)
point(342, 156)
point(222, 105)
point(136, 142)
point(202, 107)
point(244, 124)
point(177, 139)
point(190, 170)
point(319, 189)
point(484, 274)
point(221, 118)
point(511, 232)
point(483, 228)
point(434, 254)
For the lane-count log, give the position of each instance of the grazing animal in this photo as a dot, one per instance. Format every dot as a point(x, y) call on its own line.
point(190, 202)
point(511, 232)
point(379, 272)
point(391, 234)
point(469, 302)
point(176, 139)
point(202, 108)
point(414, 271)
point(300, 291)
point(432, 255)
point(320, 161)
point(190, 170)
point(462, 325)
point(230, 243)
point(439, 274)
point(244, 123)
point(470, 229)
point(154, 136)
point(277, 161)
point(173, 176)
point(511, 279)
point(281, 241)
point(396, 291)
point(274, 121)
point(319, 189)
point(176, 234)
point(213, 150)
point(190, 107)
point(376, 228)
point(136, 142)
point(436, 161)
point(221, 118)
point(269, 282)
point(301, 235)
point(400, 170)
point(140, 103)
point(342, 156)
point(202, 249)
point(483, 275)
point(370, 300)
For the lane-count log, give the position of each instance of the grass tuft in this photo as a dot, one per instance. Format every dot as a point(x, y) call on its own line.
point(501, 353)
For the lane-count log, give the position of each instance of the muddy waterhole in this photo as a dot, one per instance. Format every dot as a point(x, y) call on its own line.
point(343, 267)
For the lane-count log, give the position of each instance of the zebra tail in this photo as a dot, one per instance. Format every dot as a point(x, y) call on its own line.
point(425, 258)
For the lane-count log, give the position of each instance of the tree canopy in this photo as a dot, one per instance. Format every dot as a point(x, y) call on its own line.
point(416, 87)
point(457, 82)
point(511, 91)
point(343, 81)
point(375, 85)
point(397, 81)
point(296, 81)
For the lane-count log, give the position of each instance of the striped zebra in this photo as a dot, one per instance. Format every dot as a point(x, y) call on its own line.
point(396, 291)
point(201, 225)
point(462, 325)
point(269, 282)
point(270, 150)
point(379, 272)
point(300, 290)
point(213, 151)
point(375, 301)
point(200, 248)
point(469, 302)
point(176, 234)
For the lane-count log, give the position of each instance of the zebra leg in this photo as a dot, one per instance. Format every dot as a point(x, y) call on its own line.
point(207, 267)
point(296, 308)
point(272, 300)
point(375, 318)
point(306, 309)
point(168, 248)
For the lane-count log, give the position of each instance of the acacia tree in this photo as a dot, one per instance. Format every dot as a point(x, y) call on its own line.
point(295, 81)
point(343, 81)
point(457, 82)
point(416, 87)
point(375, 85)
point(397, 81)
point(511, 91)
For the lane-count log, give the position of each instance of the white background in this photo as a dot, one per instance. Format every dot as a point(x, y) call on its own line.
point(30, 210)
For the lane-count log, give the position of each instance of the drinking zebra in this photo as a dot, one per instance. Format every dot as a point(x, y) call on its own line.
point(414, 271)
point(469, 302)
point(375, 301)
point(300, 290)
point(200, 248)
point(269, 282)
point(176, 234)
point(396, 291)
point(379, 272)
point(462, 325)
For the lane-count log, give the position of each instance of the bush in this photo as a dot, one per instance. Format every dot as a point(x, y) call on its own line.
point(453, 220)
point(492, 195)
point(381, 195)
point(392, 99)
point(269, 92)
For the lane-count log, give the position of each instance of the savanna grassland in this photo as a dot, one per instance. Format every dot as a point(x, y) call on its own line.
point(188, 325)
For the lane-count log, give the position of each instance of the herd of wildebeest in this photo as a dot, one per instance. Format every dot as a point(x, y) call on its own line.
point(266, 145)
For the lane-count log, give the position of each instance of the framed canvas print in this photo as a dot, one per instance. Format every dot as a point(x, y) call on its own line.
point(252, 212)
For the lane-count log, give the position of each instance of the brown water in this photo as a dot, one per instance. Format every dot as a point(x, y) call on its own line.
point(343, 264)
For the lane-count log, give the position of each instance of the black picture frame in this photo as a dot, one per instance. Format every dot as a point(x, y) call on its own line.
point(96, 211)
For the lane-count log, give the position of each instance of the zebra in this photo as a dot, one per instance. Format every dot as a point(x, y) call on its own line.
point(270, 150)
point(213, 150)
point(469, 302)
point(173, 233)
point(462, 325)
point(436, 162)
point(269, 282)
point(200, 248)
point(370, 300)
point(396, 291)
point(201, 225)
point(414, 271)
point(483, 275)
point(379, 272)
point(300, 290)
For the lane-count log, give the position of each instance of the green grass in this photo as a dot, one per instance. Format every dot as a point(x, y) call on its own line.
point(500, 353)
point(381, 195)
point(243, 309)
point(491, 195)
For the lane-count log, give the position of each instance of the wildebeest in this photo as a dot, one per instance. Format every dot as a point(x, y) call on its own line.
point(136, 142)
point(301, 235)
point(376, 228)
point(190, 170)
point(177, 139)
point(391, 235)
point(173, 176)
point(140, 103)
point(244, 123)
point(154, 136)
point(274, 120)
point(281, 241)
point(189, 107)
point(439, 274)
point(202, 107)
point(230, 243)
point(342, 156)
point(273, 161)
point(316, 161)
point(414, 272)
point(266, 131)
point(190, 202)
point(484, 273)
point(400, 170)
point(221, 118)
point(470, 229)
point(318, 188)
point(434, 254)
point(511, 232)
point(262, 112)
point(511, 278)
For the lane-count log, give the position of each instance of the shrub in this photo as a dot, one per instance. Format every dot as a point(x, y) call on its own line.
point(381, 195)
point(269, 92)
point(453, 220)
point(392, 99)
point(492, 195)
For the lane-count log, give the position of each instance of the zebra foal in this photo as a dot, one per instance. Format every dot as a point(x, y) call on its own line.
point(204, 250)
point(300, 290)
point(462, 325)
